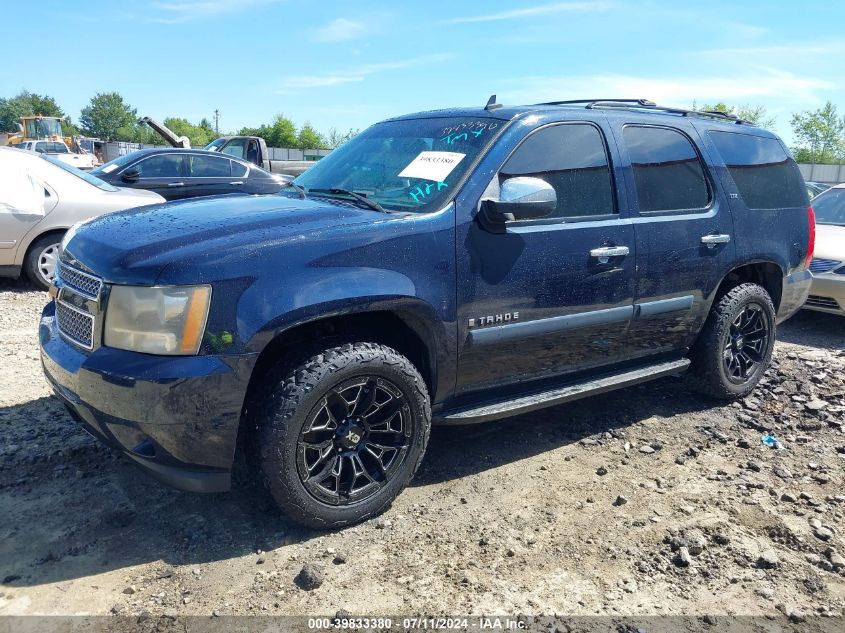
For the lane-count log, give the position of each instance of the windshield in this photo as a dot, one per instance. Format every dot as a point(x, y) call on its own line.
point(830, 207)
point(86, 176)
point(408, 165)
point(42, 128)
point(215, 144)
point(118, 162)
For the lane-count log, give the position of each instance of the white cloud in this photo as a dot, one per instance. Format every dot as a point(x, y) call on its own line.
point(759, 83)
point(359, 73)
point(179, 12)
point(542, 9)
point(340, 30)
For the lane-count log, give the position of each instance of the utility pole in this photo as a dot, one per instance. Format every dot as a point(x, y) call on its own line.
point(217, 122)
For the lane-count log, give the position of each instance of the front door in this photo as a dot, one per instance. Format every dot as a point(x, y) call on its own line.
point(551, 296)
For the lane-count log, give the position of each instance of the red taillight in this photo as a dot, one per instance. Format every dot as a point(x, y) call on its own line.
point(811, 238)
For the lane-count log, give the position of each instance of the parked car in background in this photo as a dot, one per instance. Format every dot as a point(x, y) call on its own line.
point(455, 266)
point(40, 199)
point(187, 173)
point(828, 267)
point(815, 188)
point(253, 149)
point(59, 150)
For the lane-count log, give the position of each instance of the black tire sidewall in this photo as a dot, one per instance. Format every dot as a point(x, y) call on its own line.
point(708, 362)
point(284, 419)
point(742, 387)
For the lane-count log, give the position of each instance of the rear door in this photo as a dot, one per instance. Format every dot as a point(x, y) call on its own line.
point(534, 302)
point(210, 175)
point(683, 229)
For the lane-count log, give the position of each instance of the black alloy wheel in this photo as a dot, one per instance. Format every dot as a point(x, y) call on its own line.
point(354, 440)
point(746, 343)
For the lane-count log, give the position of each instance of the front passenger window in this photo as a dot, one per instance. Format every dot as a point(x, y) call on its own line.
point(572, 158)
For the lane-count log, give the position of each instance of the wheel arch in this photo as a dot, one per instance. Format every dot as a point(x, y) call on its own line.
point(409, 327)
point(764, 273)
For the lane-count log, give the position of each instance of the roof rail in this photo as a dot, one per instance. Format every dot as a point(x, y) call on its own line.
point(649, 105)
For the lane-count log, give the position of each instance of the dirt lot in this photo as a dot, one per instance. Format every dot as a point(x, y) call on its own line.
point(648, 501)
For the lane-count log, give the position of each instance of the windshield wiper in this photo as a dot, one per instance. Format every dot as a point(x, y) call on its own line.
point(299, 189)
point(372, 204)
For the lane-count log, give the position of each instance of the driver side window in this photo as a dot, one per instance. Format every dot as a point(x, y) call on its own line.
point(572, 158)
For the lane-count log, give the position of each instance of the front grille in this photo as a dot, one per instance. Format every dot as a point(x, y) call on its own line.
point(75, 325)
point(82, 282)
point(823, 302)
point(819, 266)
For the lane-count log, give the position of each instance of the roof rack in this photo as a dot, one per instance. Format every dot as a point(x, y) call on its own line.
point(648, 105)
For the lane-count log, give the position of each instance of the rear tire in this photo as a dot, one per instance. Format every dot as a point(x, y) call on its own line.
point(42, 260)
point(735, 346)
point(341, 434)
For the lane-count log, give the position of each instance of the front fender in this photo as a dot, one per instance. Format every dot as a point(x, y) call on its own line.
point(268, 310)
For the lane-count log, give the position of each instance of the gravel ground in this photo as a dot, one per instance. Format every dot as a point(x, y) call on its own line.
point(651, 500)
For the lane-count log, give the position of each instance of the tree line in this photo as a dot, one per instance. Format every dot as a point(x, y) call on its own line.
point(819, 134)
point(107, 116)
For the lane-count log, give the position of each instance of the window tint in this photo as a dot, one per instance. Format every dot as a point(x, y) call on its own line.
point(210, 167)
point(238, 169)
point(572, 159)
point(161, 166)
point(765, 175)
point(668, 174)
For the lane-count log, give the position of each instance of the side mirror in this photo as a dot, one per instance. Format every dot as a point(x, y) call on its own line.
point(520, 198)
point(130, 175)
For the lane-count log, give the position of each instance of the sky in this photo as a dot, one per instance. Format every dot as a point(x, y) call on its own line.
point(347, 65)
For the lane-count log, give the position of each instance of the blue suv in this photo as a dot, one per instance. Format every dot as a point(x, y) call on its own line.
point(449, 267)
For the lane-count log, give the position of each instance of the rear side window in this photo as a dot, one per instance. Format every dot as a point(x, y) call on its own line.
point(668, 174)
point(572, 158)
point(765, 175)
point(210, 167)
point(238, 169)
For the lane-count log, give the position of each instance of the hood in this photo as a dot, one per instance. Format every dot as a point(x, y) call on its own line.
point(830, 242)
point(134, 246)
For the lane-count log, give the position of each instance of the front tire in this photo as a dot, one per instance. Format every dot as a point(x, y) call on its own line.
point(735, 347)
point(341, 434)
point(42, 260)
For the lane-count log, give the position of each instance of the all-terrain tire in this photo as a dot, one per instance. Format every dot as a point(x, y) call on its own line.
point(710, 371)
point(289, 399)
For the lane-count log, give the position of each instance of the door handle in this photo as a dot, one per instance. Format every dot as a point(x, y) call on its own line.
point(604, 253)
point(175, 184)
point(711, 241)
point(237, 182)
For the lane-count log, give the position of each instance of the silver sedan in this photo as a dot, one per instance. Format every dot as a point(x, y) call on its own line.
point(828, 265)
point(40, 199)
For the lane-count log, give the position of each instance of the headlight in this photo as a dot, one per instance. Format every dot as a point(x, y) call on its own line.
point(157, 320)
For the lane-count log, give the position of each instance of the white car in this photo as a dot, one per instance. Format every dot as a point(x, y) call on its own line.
point(61, 152)
point(40, 199)
point(828, 265)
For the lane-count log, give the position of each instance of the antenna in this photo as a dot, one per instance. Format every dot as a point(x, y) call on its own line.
point(491, 104)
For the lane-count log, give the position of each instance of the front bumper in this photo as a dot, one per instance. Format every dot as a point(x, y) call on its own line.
point(827, 294)
point(796, 288)
point(177, 416)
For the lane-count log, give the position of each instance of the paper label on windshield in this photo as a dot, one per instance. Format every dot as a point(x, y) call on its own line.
point(432, 165)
